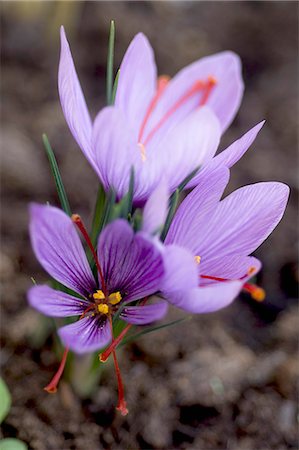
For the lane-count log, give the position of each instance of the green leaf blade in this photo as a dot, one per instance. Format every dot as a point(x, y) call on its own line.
point(57, 177)
point(110, 62)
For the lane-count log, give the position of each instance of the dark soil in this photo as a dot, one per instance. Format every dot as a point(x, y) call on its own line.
point(222, 381)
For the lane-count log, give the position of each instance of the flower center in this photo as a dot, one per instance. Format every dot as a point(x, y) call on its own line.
point(205, 87)
point(103, 304)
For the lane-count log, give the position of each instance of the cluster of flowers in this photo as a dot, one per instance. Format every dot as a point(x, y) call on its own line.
point(194, 256)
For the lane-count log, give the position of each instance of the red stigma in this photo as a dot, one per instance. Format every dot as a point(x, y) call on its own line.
point(51, 388)
point(162, 84)
point(105, 355)
point(205, 87)
point(257, 293)
point(78, 221)
point(121, 406)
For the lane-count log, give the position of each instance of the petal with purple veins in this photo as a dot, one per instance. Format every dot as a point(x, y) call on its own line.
point(55, 303)
point(132, 263)
point(191, 144)
point(232, 267)
point(142, 315)
point(58, 248)
point(243, 220)
point(137, 81)
point(231, 154)
point(206, 299)
point(196, 210)
point(116, 152)
point(224, 99)
point(155, 209)
point(72, 100)
point(86, 335)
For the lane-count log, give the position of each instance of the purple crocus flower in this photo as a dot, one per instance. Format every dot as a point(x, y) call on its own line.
point(209, 240)
point(156, 125)
point(130, 267)
point(125, 277)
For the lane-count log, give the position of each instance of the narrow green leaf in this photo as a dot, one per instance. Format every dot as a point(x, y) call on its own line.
point(98, 214)
point(172, 208)
point(5, 402)
point(12, 444)
point(115, 87)
point(151, 329)
point(136, 220)
point(57, 177)
point(110, 61)
point(188, 178)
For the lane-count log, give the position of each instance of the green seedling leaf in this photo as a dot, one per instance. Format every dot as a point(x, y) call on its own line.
point(12, 444)
point(110, 61)
point(188, 178)
point(115, 87)
point(5, 402)
point(98, 214)
point(57, 177)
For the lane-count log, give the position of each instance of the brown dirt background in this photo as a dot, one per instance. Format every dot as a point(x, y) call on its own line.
point(222, 381)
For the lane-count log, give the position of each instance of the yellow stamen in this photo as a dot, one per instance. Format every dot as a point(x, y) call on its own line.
point(103, 308)
point(99, 295)
point(142, 151)
point(197, 259)
point(115, 298)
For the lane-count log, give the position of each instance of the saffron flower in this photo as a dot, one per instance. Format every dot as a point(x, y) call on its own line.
point(209, 240)
point(158, 126)
point(123, 277)
point(129, 266)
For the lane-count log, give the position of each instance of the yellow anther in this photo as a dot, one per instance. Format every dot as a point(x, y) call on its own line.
point(99, 295)
point(258, 294)
point(115, 298)
point(103, 308)
point(197, 259)
point(142, 151)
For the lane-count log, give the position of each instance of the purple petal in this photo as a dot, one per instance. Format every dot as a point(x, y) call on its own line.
point(72, 100)
point(196, 210)
point(54, 303)
point(180, 270)
point(86, 335)
point(116, 152)
point(132, 264)
point(141, 315)
point(232, 267)
point(155, 209)
point(206, 299)
point(189, 145)
point(236, 150)
point(58, 248)
point(243, 220)
point(232, 154)
point(137, 81)
point(224, 99)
